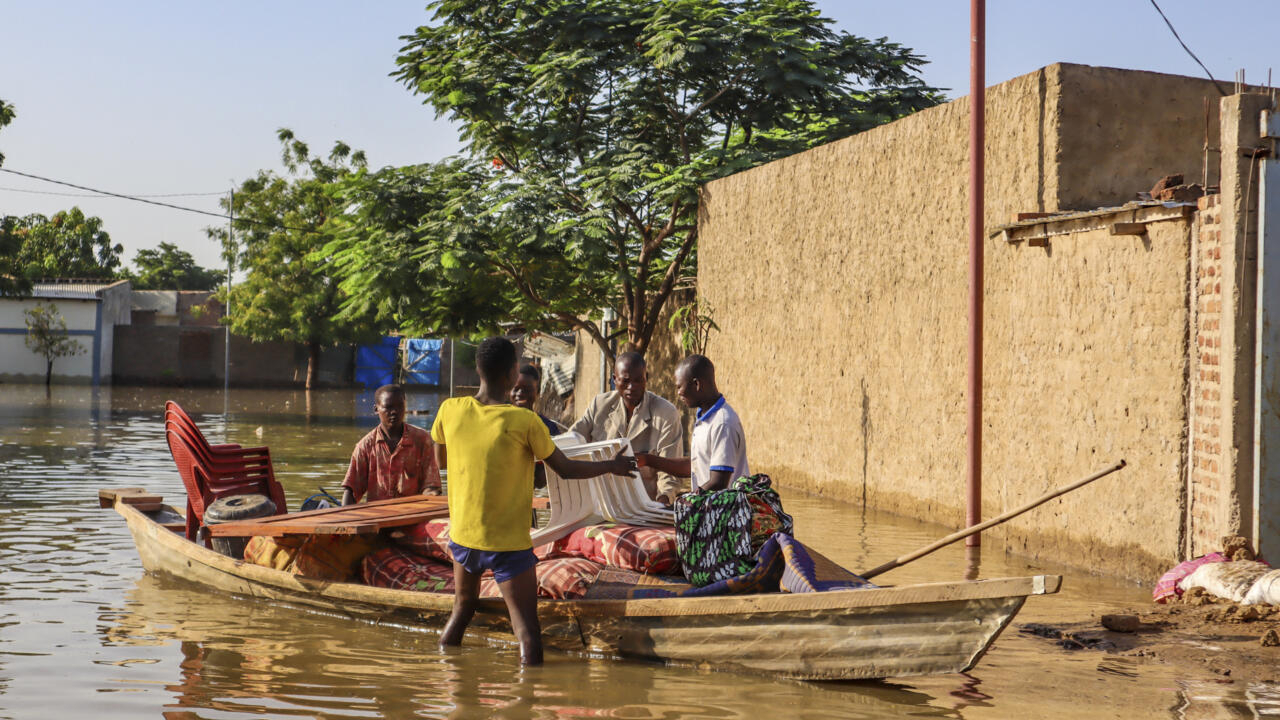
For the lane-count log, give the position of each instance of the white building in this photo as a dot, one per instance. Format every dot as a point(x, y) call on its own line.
point(92, 310)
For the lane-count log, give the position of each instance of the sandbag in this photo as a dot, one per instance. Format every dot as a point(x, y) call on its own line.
point(399, 569)
point(1167, 588)
point(1230, 580)
point(1265, 590)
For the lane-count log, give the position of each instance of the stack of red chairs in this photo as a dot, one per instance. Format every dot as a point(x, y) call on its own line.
point(210, 472)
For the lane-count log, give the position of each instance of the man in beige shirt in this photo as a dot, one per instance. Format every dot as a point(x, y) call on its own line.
point(651, 423)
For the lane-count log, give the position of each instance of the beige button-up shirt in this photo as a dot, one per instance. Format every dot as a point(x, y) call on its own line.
point(654, 428)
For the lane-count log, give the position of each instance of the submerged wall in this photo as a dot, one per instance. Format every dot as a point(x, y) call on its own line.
point(839, 278)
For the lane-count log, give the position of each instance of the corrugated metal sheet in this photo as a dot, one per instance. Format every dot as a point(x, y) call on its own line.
point(71, 290)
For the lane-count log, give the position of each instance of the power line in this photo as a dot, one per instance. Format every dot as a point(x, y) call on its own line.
point(1184, 47)
point(140, 199)
point(89, 195)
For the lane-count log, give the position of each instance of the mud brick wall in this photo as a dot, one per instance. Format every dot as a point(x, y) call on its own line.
point(839, 278)
point(1209, 491)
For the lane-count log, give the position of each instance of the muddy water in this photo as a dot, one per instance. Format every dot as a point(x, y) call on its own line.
point(84, 631)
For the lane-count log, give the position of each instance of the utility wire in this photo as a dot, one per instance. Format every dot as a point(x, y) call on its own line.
point(89, 195)
point(137, 198)
point(1184, 47)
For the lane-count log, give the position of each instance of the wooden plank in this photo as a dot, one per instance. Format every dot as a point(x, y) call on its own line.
point(107, 496)
point(1129, 228)
point(355, 520)
point(1025, 216)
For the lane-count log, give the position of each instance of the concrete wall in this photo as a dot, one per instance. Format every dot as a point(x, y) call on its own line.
point(194, 356)
point(840, 286)
point(18, 364)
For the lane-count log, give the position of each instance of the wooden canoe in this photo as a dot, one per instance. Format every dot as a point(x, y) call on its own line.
point(920, 629)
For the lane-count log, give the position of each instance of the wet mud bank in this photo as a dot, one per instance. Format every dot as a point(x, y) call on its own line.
point(1234, 642)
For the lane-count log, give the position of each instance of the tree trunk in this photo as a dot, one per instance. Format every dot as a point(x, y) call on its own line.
point(48, 372)
point(313, 363)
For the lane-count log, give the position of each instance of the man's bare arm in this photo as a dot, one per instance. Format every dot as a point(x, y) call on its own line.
point(719, 481)
point(572, 469)
point(680, 467)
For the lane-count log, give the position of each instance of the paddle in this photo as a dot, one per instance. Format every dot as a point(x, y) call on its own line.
point(962, 534)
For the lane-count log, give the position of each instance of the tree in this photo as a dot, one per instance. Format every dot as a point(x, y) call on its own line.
point(168, 268)
point(12, 281)
point(590, 126)
point(67, 245)
point(47, 336)
point(281, 220)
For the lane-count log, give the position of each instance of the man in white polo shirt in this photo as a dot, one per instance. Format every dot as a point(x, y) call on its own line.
point(718, 447)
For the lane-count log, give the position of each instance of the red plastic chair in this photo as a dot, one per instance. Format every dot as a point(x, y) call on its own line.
point(173, 412)
point(210, 472)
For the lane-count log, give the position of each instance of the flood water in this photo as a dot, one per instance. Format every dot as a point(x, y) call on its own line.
point(83, 631)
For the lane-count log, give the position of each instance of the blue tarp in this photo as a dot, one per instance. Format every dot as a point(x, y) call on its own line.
point(376, 363)
point(422, 361)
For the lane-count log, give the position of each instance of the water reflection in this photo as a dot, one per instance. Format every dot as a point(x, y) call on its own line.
point(82, 629)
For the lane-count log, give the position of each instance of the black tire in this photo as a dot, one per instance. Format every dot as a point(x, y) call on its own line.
point(239, 507)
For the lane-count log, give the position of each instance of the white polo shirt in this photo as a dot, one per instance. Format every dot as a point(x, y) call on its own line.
point(718, 443)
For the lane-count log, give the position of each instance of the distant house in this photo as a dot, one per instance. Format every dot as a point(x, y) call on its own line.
point(91, 309)
point(176, 307)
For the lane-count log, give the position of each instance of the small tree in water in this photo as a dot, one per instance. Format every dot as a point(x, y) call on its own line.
point(47, 335)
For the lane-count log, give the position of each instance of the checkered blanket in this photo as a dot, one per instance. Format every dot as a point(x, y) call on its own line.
point(650, 550)
point(399, 569)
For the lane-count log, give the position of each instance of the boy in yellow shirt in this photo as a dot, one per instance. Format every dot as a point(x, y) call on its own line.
point(489, 447)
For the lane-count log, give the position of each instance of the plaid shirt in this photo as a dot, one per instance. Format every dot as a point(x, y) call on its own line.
point(384, 474)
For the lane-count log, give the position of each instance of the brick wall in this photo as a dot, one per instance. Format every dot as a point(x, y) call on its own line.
point(1210, 488)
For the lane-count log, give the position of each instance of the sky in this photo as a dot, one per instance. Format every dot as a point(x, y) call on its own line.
point(170, 97)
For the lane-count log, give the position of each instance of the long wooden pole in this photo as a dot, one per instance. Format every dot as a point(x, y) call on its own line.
point(962, 534)
point(977, 206)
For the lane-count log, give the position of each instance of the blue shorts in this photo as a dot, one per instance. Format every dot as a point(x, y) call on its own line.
point(504, 564)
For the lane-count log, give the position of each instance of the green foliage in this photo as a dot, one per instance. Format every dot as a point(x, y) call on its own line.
point(12, 281)
point(67, 245)
point(169, 268)
point(694, 322)
point(47, 336)
point(590, 126)
point(7, 114)
point(281, 221)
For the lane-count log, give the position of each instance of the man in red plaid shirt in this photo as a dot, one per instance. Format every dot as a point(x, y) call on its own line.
point(395, 459)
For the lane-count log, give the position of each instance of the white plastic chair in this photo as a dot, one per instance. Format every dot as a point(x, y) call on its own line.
point(607, 498)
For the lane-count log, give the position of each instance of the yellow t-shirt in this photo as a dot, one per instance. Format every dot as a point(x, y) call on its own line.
point(490, 450)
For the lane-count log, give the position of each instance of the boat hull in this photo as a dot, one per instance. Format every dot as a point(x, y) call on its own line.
point(857, 634)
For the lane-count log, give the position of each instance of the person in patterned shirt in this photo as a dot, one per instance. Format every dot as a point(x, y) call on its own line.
point(395, 459)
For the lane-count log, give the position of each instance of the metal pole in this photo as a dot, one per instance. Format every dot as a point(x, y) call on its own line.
point(977, 175)
point(226, 311)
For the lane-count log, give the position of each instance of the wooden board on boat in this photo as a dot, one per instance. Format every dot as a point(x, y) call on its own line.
point(922, 629)
point(360, 519)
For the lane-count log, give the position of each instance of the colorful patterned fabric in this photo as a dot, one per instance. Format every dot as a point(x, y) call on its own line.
point(399, 569)
point(782, 565)
point(642, 549)
point(382, 474)
point(1167, 586)
point(714, 530)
